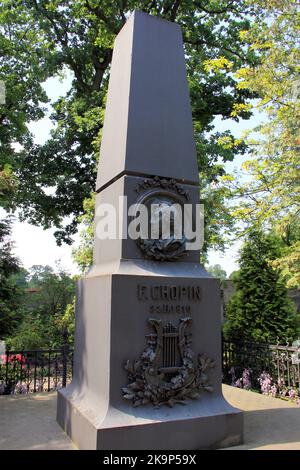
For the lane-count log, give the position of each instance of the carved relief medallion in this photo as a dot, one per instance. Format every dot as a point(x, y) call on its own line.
point(164, 200)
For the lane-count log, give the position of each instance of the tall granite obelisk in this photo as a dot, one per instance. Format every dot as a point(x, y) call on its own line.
point(147, 334)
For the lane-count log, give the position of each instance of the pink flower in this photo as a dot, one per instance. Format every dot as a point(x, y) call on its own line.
point(292, 394)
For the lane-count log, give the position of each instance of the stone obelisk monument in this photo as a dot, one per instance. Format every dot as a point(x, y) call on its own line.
point(147, 365)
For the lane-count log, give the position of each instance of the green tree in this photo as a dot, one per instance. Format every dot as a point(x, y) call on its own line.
point(260, 309)
point(32, 333)
point(54, 290)
point(7, 184)
point(10, 294)
point(44, 38)
point(268, 188)
point(21, 278)
point(83, 255)
point(289, 260)
point(22, 50)
point(47, 311)
point(67, 322)
point(233, 275)
point(39, 274)
point(217, 271)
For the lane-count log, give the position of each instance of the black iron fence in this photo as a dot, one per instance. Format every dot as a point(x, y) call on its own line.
point(35, 370)
point(245, 364)
point(261, 366)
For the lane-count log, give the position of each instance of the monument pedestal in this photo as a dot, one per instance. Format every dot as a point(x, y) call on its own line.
point(213, 425)
point(114, 305)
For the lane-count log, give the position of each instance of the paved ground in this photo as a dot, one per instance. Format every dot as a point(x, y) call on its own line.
point(28, 422)
point(269, 423)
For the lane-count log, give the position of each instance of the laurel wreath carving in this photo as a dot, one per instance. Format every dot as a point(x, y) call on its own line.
point(163, 183)
point(147, 384)
point(163, 250)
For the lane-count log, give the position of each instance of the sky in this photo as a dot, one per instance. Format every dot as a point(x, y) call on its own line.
point(33, 245)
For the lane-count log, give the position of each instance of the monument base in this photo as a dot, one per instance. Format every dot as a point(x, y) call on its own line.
point(117, 310)
point(219, 425)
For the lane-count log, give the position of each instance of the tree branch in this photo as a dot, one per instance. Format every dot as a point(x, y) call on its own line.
point(101, 15)
point(100, 68)
point(151, 6)
point(219, 11)
point(174, 10)
point(207, 43)
point(62, 37)
point(122, 10)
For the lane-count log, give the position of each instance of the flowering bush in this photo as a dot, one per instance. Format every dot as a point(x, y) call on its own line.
point(292, 394)
point(242, 382)
point(238, 383)
point(267, 385)
point(20, 389)
point(246, 379)
point(12, 358)
point(265, 382)
point(280, 390)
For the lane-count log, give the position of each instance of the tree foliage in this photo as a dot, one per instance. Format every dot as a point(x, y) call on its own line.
point(83, 254)
point(46, 306)
point(217, 271)
point(260, 309)
point(10, 294)
point(43, 38)
point(267, 191)
point(22, 50)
